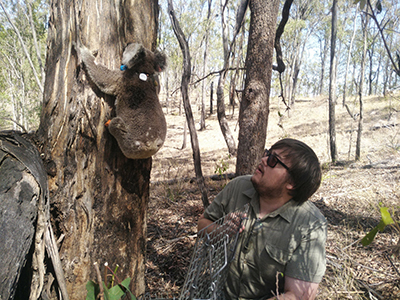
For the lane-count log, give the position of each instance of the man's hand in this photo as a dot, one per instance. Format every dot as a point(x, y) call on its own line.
point(231, 224)
point(203, 223)
point(296, 289)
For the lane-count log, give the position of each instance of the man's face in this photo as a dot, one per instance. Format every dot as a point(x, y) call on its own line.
point(271, 177)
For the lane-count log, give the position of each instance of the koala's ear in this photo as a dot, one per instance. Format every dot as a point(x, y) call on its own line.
point(133, 53)
point(160, 61)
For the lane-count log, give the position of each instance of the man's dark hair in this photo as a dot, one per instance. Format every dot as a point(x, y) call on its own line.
point(305, 169)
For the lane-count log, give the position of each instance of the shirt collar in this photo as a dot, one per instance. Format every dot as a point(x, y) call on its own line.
point(286, 211)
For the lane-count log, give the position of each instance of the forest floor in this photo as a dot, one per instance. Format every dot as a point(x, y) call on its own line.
point(350, 195)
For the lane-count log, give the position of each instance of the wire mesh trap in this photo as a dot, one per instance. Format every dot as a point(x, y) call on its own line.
point(214, 249)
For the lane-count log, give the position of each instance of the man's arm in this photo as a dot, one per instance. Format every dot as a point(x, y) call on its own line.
point(296, 289)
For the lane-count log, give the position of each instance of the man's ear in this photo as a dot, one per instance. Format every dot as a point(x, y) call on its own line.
point(290, 185)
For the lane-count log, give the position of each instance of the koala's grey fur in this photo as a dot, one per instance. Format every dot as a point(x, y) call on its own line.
point(139, 126)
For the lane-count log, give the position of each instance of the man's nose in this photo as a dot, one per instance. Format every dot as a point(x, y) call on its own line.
point(264, 160)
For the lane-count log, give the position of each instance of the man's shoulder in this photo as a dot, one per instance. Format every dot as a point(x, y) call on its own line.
point(241, 182)
point(243, 179)
point(312, 211)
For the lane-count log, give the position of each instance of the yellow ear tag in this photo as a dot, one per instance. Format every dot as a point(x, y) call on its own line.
point(143, 77)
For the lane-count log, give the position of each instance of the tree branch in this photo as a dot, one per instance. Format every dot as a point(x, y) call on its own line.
point(373, 16)
point(279, 31)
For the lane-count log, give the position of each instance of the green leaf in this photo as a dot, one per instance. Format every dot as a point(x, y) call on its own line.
point(386, 217)
point(386, 220)
point(106, 295)
point(92, 290)
point(369, 237)
point(118, 291)
point(125, 284)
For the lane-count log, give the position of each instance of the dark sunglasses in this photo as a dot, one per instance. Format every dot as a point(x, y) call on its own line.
point(273, 160)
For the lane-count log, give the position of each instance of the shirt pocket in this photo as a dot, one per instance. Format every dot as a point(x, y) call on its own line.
point(273, 261)
point(276, 255)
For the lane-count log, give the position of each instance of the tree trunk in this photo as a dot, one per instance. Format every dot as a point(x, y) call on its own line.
point(349, 56)
point(211, 97)
point(223, 123)
point(332, 85)
point(324, 54)
point(98, 196)
point(205, 64)
point(254, 108)
point(186, 102)
point(184, 135)
point(365, 21)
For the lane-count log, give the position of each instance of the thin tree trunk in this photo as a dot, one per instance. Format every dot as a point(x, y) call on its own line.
point(226, 132)
point(186, 102)
point(386, 76)
point(324, 54)
point(298, 62)
point(332, 85)
point(205, 63)
point(349, 56)
point(99, 197)
point(360, 87)
point(184, 135)
point(167, 94)
point(211, 97)
point(38, 54)
point(396, 66)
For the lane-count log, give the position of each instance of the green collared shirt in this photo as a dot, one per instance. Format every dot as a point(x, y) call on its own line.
point(290, 241)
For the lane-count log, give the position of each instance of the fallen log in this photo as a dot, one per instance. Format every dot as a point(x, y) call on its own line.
point(25, 229)
point(19, 198)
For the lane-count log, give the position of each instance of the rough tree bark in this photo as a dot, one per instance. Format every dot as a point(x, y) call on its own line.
point(20, 191)
point(254, 108)
point(98, 197)
point(332, 84)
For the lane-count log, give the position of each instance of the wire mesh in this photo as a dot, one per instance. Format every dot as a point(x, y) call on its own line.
point(214, 249)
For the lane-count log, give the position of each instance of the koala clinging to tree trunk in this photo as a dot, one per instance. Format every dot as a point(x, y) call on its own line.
point(139, 125)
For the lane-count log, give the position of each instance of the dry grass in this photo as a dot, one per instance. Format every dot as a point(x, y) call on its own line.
point(349, 196)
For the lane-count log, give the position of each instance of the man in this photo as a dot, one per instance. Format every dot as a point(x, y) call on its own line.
point(281, 250)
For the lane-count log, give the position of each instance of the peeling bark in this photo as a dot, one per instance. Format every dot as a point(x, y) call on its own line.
point(98, 196)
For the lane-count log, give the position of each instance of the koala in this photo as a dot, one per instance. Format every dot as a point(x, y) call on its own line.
point(139, 125)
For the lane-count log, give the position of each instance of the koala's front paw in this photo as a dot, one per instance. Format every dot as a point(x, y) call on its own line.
point(84, 54)
point(117, 127)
